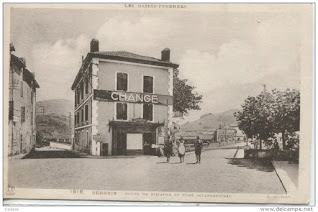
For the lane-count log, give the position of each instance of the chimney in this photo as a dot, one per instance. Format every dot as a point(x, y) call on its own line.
point(12, 49)
point(165, 55)
point(23, 60)
point(94, 45)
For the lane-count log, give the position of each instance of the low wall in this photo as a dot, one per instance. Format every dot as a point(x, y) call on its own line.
point(57, 145)
point(258, 153)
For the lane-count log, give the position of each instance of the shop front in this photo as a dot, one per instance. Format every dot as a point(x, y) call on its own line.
point(134, 138)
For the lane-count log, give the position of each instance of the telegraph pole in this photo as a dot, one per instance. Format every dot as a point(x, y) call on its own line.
point(264, 85)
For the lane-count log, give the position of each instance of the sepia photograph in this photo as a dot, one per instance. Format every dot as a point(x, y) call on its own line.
point(164, 102)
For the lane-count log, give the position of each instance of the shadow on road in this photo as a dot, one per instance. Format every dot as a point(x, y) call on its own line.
point(260, 165)
point(50, 154)
point(191, 163)
point(162, 162)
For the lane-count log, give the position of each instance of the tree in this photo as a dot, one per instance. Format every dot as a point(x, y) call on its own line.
point(256, 119)
point(184, 97)
point(287, 112)
point(269, 113)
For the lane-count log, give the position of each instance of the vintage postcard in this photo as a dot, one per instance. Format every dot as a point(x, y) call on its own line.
point(158, 102)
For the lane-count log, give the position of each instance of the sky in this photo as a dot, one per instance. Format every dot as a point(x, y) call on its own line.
point(227, 52)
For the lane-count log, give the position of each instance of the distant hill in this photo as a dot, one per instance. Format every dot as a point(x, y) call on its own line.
point(210, 122)
point(54, 122)
point(55, 106)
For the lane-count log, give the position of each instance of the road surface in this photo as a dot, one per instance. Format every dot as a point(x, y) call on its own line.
point(217, 173)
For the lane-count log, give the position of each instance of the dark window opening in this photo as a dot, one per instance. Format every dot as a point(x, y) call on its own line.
point(31, 117)
point(147, 112)
point(22, 114)
point(121, 111)
point(21, 88)
point(11, 110)
point(82, 91)
point(82, 115)
point(148, 84)
point(77, 120)
point(86, 112)
point(122, 81)
point(86, 85)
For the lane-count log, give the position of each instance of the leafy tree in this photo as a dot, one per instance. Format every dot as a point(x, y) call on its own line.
point(256, 119)
point(184, 97)
point(269, 113)
point(287, 112)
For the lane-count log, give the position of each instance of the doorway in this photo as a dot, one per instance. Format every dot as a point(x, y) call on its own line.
point(121, 143)
point(149, 140)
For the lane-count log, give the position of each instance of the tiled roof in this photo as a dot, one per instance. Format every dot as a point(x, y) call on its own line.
point(122, 56)
point(131, 57)
point(127, 55)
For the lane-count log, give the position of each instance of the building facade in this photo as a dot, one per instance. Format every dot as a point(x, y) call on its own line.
point(123, 102)
point(22, 100)
point(229, 134)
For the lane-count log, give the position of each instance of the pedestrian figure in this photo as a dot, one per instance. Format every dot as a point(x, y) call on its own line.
point(276, 147)
point(198, 144)
point(181, 149)
point(168, 148)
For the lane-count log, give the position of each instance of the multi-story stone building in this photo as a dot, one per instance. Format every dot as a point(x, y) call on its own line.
point(123, 102)
point(22, 98)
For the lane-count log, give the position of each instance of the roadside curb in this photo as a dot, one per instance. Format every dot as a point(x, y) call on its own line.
point(282, 173)
point(280, 179)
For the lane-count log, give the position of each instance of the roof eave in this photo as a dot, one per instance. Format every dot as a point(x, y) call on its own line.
point(135, 60)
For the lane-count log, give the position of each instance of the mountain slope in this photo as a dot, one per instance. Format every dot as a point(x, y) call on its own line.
point(210, 122)
point(54, 121)
point(55, 106)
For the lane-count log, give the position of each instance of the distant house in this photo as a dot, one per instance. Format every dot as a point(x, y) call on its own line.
point(239, 135)
point(22, 98)
point(229, 134)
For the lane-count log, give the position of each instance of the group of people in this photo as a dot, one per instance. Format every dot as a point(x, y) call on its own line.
point(168, 148)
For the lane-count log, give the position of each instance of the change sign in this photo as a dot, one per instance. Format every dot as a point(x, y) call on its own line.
point(133, 97)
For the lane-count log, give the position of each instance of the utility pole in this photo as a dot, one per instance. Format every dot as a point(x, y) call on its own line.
point(264, 85)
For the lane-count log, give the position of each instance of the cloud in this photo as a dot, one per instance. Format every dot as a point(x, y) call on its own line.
point(231, 65)
point(271, 56)
point(144, 36)
point(56, 66)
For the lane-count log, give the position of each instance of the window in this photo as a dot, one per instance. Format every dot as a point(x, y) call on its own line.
point(75, 97)
point(147, 112)
point(86, 112)
point(31, 97)
point(77, 120)
point(82, 90)
point(31, 117)
point(122, 81)
point(78, 95)
point(148, 84)
point(82, 115)
point(11, 110)
point(22, 114)
point(86, 85)
point(121, 111)
point(21, 88)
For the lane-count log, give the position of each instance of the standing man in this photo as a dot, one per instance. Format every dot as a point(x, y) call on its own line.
point(168, 148)
point(198, 144)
